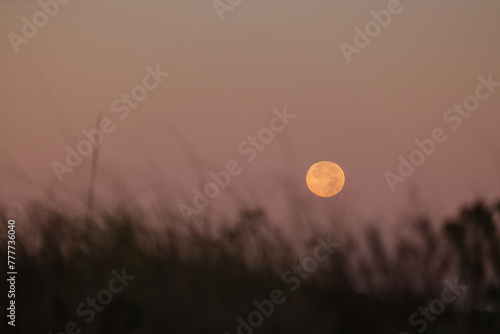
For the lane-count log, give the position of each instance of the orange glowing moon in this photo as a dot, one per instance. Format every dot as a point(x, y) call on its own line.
point(325, 179)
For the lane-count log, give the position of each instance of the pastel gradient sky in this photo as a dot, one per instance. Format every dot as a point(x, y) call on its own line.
point(225, 79)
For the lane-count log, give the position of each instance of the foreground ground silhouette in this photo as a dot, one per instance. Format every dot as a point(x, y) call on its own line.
point(192, 280)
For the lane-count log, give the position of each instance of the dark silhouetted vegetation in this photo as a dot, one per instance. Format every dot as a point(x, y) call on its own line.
point(194, 279)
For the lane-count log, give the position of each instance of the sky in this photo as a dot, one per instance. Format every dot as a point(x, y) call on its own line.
point(229, 72)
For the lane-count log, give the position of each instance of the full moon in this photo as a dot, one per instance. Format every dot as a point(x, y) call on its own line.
point(325, 179)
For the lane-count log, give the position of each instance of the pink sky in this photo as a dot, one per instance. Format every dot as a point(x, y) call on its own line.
point(227, 76)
